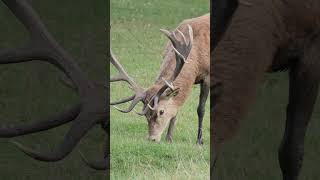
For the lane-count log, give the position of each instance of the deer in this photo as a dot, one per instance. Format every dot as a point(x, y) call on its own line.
point(185, 62)
point(265, 37)
point(91, 110)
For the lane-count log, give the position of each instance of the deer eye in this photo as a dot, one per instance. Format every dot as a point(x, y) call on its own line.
point(161, 112)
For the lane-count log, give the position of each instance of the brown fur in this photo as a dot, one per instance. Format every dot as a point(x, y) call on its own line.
point(258, 40)
point(196, 70)
point(198, 66)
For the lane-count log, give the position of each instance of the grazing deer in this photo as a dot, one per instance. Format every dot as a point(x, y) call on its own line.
point(186, 62)
point(90, 111)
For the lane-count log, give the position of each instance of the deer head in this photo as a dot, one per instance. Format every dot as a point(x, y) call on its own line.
point(159, 104)
point(90, 111)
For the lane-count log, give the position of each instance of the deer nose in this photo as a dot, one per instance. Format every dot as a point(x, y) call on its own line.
point(153, 139)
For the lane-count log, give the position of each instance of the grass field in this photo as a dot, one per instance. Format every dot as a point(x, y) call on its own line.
point(30, 91)
point(138, 44)
point(252, 155)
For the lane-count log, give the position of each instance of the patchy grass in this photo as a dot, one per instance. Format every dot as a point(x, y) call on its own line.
point(30, 91)
point(138, 44)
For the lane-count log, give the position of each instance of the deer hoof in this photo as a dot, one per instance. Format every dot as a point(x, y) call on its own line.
point(200, 142)
point(169, 139)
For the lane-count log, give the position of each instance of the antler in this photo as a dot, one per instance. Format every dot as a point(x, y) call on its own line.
point(98, 165)
point(140, 93)
point(182, 51)
point(92, 108)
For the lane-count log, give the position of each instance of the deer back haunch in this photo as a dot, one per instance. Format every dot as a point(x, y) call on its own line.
point(268, 36)
point(186, 62)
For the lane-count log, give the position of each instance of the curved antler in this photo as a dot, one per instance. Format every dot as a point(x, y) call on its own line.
point(182, 50)
point(99, 164)
point(92, 108)
point(40, 125)
point(140, 93)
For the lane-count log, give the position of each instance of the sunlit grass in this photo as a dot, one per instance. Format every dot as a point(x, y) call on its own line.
point(138, 44)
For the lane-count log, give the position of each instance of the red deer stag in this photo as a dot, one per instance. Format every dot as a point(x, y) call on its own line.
point(186, 62)
point(90, 111)
point(268, 36)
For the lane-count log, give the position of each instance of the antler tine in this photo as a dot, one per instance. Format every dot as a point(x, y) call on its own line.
point(174, 41)
point(169, 35)
point(98, 165)
point(71, 139)
point(137, 98)
point(155, 101)
point(42, 46)
point(144, 111)
point(170, 85)
point(190, 36)
point(182, 50)
point(40, 125)
point(123, 76)
point(184, 38)
point(123, 100)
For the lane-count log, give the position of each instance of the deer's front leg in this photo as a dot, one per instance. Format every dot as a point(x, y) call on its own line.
point(303, 90)
point(204, 92)
point(170, 129)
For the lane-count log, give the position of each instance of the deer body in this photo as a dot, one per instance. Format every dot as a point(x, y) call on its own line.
point(196, 70)
point(267, 36)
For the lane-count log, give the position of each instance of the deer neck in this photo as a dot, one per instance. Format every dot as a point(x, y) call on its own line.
point(166, 71)
point(184, 82)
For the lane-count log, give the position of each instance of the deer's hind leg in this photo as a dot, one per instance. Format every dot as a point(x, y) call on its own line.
point(204, 92)
point(303, 91)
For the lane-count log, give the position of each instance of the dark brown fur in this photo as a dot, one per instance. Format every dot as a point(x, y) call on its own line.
point(265, 36)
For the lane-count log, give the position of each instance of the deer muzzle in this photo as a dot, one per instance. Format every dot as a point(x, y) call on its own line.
point(155, 138)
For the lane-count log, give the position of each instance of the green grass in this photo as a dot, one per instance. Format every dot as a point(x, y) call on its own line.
point(253, 153)
point(138, 44)
point(30, 91)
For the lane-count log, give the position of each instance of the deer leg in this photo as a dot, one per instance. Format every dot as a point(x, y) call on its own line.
point(170, 130)
point(303, 90)
point(204, 92)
